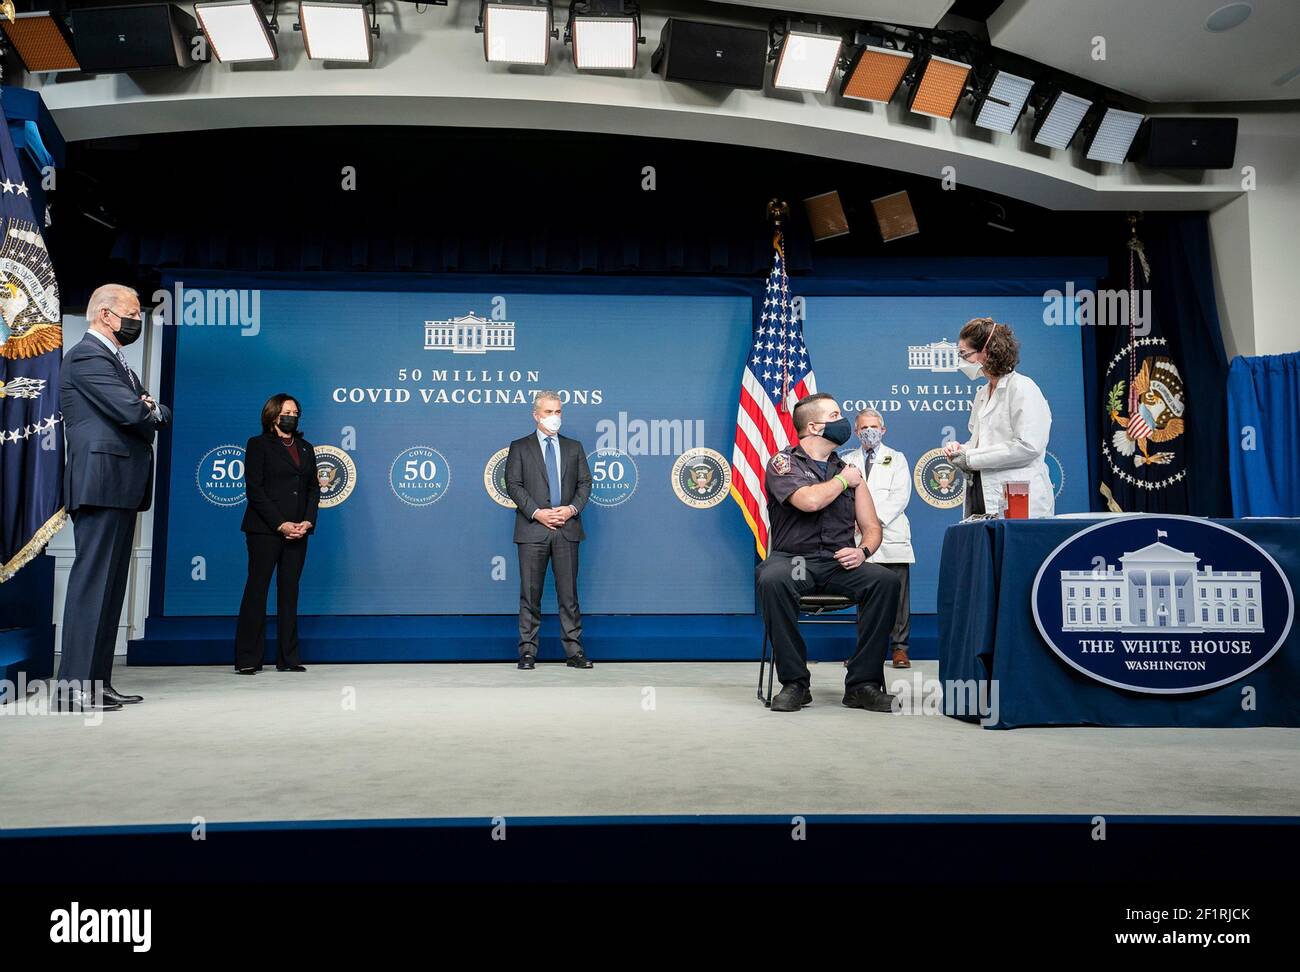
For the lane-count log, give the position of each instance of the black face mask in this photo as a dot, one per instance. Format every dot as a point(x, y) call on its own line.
point(289, 424)
point(837, 431)
point(130, 331)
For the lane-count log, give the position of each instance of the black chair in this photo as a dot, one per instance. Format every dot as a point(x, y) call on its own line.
point(812, 605)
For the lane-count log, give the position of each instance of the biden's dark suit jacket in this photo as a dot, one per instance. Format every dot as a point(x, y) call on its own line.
point(107, 478)
point(109, 431)
point(529, 487)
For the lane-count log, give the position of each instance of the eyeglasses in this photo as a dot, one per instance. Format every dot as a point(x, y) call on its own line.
point(965, 355)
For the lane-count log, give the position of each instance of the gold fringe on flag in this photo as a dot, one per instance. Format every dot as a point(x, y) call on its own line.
point(33, 546)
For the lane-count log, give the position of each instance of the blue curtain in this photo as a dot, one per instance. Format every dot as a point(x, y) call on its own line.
point(1264, 427)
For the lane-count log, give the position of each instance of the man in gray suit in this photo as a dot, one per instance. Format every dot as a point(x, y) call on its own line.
point(109, 422)
point(549, 481)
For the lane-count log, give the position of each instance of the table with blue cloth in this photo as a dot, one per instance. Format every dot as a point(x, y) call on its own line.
point(987, 631)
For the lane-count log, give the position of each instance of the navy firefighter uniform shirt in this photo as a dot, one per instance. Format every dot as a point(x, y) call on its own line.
point(792, 531)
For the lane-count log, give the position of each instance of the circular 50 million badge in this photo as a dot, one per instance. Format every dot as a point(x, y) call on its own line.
point(701, 478)
point(336, 473)
point(220, 475)
point(419, 476)
point(613, 476)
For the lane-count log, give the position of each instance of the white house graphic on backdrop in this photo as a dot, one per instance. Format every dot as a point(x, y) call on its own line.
point(935, 356)
point(1161, 587)
point(470, 334)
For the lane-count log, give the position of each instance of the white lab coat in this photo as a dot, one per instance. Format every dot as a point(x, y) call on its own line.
point(890, 485)
point(1009, 432)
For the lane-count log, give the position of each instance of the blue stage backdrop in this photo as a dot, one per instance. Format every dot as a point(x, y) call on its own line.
point(411, 399)
point(898, 356)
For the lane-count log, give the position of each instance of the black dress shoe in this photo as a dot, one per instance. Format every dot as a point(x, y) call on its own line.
point(111, 694)
point(247, 671)
point(79, 701)
point(578, 660)
point(527, 661)
point(869, 697)
point(792, 698)
point(290, 668)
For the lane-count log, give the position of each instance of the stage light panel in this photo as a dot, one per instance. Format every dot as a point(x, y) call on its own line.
point(41, 42)
point(875, 74)
point(1001, 106)
point(335, 31)
point(1061, 118)
point(517, 33)
point(806, 62)
point(604, 43)
point(1114, 135)
point(940, 87)
point(236, 31)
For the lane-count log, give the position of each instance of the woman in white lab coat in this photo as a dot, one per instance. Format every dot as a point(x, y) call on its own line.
point(1009, 423)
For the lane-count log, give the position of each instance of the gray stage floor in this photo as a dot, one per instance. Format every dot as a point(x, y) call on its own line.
point(486, 740)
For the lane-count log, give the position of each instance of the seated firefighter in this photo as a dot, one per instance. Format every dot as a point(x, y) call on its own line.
point(814, 501)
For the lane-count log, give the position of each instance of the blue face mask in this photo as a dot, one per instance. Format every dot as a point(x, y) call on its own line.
point(870, 437)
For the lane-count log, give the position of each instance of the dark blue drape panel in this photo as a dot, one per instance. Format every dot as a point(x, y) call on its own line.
point(1183, 291)
point(1264, 427)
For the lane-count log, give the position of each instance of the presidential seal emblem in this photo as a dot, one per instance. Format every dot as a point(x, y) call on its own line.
point(494, 479)
point(336, 473)
point(701, 478)
point(220, 475)
point(30, 319)
point(938, 481)
point(1146, 408)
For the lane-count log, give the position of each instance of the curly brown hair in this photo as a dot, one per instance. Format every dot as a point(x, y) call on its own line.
point(1002, 349)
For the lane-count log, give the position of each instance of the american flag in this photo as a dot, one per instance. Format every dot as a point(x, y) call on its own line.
point(778, 373)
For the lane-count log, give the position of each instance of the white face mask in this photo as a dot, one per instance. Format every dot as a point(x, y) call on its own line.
point(551, 424)
point(971, 369)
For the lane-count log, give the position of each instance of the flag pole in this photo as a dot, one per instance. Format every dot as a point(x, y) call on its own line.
point(778, 210)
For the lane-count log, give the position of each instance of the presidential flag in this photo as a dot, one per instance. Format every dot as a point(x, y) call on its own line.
point(31, 349)
point(1147, 409)
point(777, 374)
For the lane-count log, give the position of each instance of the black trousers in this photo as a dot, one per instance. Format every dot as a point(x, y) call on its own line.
point(782, 580)
point(902, 633)
point(270, 554)
point(96, 590)
point(562, 554)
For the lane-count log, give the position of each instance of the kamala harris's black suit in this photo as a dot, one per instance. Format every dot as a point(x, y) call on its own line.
point(278, 490)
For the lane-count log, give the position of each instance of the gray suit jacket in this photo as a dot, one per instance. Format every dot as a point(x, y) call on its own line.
point(528, 486)
point(109, 431)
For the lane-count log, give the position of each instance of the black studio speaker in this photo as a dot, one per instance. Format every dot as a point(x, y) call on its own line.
point(1187, 143)
point(698, 52)
point(132, 38)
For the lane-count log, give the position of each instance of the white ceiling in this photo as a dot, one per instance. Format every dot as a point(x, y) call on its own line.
point(913, 13)
point(1159, 50)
